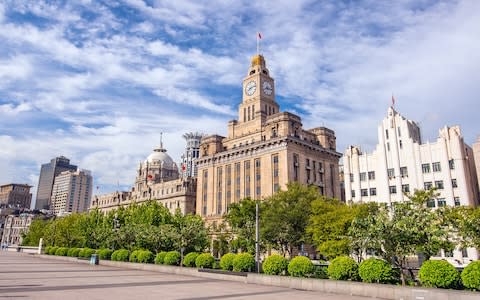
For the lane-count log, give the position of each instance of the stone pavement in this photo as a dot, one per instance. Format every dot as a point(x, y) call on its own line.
point(28, 277)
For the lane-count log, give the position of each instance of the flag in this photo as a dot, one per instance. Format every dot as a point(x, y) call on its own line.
point(259, 35)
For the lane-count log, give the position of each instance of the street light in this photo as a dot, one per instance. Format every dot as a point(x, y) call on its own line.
point(257, 236)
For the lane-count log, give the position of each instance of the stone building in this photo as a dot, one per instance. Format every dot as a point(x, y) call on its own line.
point(72, 192)
point(15, 195)
point(264, 150)
point(14, 226)
point(401, 163)
point(158, 178)
point(476, 155)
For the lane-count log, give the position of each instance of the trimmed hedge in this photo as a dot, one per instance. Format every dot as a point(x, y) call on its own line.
point(145, 257)
point(52, 250)
point(376, 270)
point(226, 262)
point(300, 266)
point(86, 252)
point(134, 256)
point(172, 258)
point(159, 259)
point(46, 250)
point(62, 251)
point(471, 276)
point(243, 262)
point(343, 268)
point(205, 261)
point(73, 252)
point(275, 265)
point(439, 273)
point(189, 259)
point(105, 254)
point(120, 255)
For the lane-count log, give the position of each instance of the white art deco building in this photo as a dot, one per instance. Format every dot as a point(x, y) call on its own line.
point(402, 163)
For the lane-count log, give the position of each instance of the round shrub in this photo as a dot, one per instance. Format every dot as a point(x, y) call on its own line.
point(159, 259)
point(226, 262)
point(343, 268)
point(172, 258)
point(46, 250)
point(73, 252)
point(53, 250)
point(145, 257)
point(134, 256)
point(62, 251)
point(105, 254)
point(471, 276)
point(86, 252)
point(120, 255)
point(205, 261)
point(300, 266)
point(189, 259)
point(243, 262)
point(438, 273)
point(376, 270)
point(275, 265)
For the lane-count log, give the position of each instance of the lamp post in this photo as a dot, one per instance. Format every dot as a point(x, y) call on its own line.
point(257, 236)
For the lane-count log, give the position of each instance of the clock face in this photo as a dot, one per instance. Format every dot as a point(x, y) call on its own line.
point(267, 88)
point(250, 88)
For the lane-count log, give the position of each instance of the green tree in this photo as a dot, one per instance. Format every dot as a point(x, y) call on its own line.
point(241, 219)
point(285, 216)
point(192, 233)
point(35, 232)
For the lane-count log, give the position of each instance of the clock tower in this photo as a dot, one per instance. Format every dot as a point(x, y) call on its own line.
point(258, 100)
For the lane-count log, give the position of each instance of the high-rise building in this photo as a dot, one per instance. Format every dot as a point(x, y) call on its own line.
point(264, 150)
point(72, 192)
point(192, 152)
point(401, 164)
point(15, 195)
point(48, 173)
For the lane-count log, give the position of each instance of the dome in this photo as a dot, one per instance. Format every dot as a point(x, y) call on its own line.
point(160, 157)
point(258, 60)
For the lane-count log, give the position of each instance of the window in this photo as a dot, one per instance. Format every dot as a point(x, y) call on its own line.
point(405, 188)
point(373, 191)
point(391, 172)
point(247, 174)
point(351, 177)
point(363, 176)
point(431, 203)
point(371, 175)
point(464, 253)
point(456, 200)
point(386, 134)
point(353, 193)
point(388, 146)
point(237, 182)
point(425, 168)
point(399, 133)
point(436, 167)
point(364, 192)
point(439, 184)
point(295, 167)
point(258, 179)
point(393, 189)
point(441, 202)
point(400, 144)
point(454, 183)
point(427, 185)
point(403, 171)
point(451, 164)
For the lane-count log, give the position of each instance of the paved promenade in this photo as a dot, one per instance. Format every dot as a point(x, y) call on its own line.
point(25, 276)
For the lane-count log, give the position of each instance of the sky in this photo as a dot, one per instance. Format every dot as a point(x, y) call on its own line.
point(97, 81)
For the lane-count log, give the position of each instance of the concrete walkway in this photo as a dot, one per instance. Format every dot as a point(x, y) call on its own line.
point(28, 277)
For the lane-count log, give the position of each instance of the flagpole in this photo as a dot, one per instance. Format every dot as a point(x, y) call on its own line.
point(258, 44)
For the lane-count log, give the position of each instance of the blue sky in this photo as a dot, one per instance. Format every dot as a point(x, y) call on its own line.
point(97, 81)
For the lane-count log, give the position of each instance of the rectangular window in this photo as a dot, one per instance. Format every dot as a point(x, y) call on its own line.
point(405, 188)
point(295, 167)
point(247, 169)
point(228, 188)
point(204, 192)
point(436, 167)
point(219, 190)
point(371, 175)
point(258, 179)
point(399, 133)
point(441, 202)
point(439, 184)
point(431, 203)
point(400, 144)
point(364, 192)
point(373, 191)
point(427, 185)
point(425, 168)
point(451, 164)
point(353, 193)
point(351, 177)
point(237, 182)
point(388, 146)
point(456, 200)
point(391, 172)
point(393, 189)
point(454, 183)
point(386, 134)
point(363, 176)
point(403, 171)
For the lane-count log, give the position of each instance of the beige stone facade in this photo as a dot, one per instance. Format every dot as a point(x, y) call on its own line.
point(157, 179)
point(476, 155)
point(265, 149)
point(15, 195)
point(15, 225)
